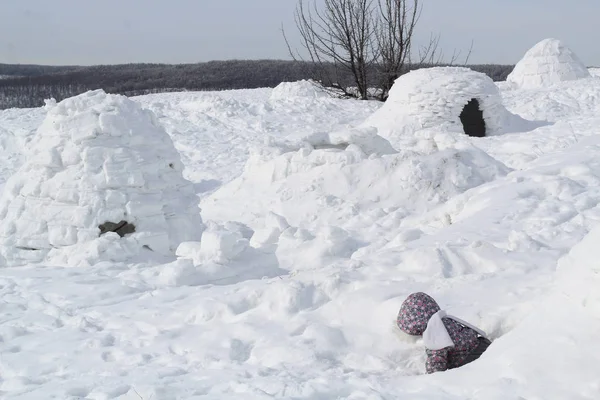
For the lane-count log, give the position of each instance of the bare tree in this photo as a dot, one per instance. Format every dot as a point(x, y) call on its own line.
point(398, 19)
point(339, 38)
point(396, 50)
point(371, 40)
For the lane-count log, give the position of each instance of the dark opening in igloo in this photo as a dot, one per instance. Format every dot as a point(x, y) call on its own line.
point(472, 119)
point(121, 228)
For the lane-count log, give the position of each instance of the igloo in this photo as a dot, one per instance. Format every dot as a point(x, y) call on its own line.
point(547, 63)
point(98, 165)
point(445, 98)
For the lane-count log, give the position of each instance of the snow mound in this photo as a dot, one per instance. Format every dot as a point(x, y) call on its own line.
point(434, 98)
point(547, 63)
point(98, 164)
point(329, 186)
point(595, 72)
point(300, 89)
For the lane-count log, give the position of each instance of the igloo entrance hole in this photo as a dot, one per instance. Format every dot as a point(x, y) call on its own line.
point(329, 146)
point(472, 119)
point(121, 228)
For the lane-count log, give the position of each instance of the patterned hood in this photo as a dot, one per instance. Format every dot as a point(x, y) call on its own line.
point(415, 312)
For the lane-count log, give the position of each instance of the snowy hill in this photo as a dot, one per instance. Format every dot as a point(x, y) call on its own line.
point(317, 227)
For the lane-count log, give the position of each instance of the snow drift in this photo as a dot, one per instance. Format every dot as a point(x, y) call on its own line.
point(433, 99)
point(548, 62)
point(98, 159)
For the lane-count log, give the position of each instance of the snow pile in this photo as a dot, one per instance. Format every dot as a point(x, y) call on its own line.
point(331, 185)
point(547, 63)
point(595, 72)
point(433, 98)
point(301, 89)
point(98, 159)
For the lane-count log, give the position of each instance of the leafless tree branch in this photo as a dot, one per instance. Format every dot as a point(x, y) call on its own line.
point(371, 40)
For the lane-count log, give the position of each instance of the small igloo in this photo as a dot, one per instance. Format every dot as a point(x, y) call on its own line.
point(99, 164)
point(547, 63)
point(445, 98)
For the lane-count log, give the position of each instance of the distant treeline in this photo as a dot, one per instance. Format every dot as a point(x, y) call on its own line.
point(24, 86)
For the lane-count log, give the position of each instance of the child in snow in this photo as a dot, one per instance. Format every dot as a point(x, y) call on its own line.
point(450, 342)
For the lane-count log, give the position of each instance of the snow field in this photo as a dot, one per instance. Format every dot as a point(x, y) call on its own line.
point(316, 230)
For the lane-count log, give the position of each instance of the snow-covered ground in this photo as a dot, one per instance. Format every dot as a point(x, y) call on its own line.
point(316, 230)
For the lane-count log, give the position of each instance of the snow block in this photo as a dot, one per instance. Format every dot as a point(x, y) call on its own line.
point(221, 246)
point(98, 161)
point(275, 224)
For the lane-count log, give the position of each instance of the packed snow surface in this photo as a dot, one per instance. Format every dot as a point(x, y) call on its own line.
point(432, 99)
point(548, 62)
point(315, 230)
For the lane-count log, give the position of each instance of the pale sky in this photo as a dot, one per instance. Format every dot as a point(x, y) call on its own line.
point(179, 31)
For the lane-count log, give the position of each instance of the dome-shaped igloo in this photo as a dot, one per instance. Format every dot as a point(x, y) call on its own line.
point(547, 63)
point(98, 163)
point(447, 98)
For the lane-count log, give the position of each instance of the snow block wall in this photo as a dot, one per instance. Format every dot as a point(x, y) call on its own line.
point(435, 98)
point(547, 63)
point(98, 163)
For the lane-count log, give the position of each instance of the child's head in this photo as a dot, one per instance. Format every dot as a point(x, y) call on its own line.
point(415, 312)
